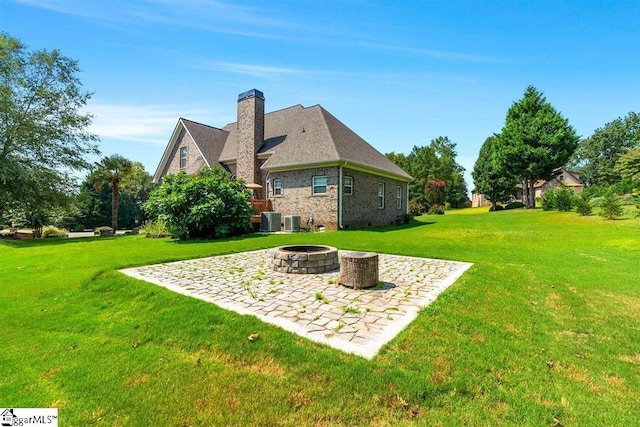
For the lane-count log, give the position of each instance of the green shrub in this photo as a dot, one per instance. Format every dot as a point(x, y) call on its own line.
point(155, 229)
point(564, 199)
point(514, 205)
point(51, 232)
point(494, 208)
point(210, 204)
point(627, 200)
point(611, 206)
point(583, 207)
point(436, 210)
point(548, 200)
point(416, 208)
point(78, 227)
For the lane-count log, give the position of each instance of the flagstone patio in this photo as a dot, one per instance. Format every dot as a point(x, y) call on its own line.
point(312, 305)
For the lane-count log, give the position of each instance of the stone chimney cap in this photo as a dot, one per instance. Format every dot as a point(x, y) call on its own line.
point(253, 93)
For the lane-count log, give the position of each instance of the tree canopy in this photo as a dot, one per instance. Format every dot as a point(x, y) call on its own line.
point(596, 156)
point(43, 133)
point(435, 161)
point(628, 164)
point(534, 141)
point(496, 186)
point(93, 206)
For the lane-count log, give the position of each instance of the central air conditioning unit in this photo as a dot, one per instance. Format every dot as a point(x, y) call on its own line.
point(270, 221)
point(292, 223)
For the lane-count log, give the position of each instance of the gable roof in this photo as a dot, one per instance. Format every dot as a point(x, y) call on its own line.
point(208, 140)
point(294, 138)
point(571, 179)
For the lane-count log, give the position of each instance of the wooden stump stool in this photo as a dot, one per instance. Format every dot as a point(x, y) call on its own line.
point(358, 269)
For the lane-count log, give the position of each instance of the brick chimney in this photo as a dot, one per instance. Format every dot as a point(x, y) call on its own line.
point(250, 135)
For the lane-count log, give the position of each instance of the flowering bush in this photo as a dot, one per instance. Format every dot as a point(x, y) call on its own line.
point(416, 208)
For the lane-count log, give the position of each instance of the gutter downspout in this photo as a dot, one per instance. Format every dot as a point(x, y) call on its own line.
point(406, 207)
point(266, 185)
point(340, 226)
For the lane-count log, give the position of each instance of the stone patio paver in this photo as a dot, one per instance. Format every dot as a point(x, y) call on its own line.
point(312, 305)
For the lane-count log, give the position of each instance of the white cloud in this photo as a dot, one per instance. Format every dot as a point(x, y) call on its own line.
point(207, 15)
point(141, 123)
point(433, 53)
point(253, 70)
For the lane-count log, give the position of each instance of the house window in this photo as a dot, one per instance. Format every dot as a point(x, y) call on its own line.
point(347, 185)
point(381, 195)
point(398, 197)
point(319, 185)
point(183, 157)
point(277, 187)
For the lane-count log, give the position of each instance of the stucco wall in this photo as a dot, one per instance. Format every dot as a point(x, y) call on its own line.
point(361, 209)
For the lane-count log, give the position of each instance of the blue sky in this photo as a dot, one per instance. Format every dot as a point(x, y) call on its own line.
point(398, 73)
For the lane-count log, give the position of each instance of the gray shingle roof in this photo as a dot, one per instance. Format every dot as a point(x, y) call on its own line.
point(210, 140)
point(296, 137)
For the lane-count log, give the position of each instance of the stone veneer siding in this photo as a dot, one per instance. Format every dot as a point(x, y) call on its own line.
point(250, 138)
point(193, 154)
point(361, 208)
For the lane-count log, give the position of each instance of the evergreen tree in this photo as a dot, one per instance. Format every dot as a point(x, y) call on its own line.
point(496, 186)
point(534, 141)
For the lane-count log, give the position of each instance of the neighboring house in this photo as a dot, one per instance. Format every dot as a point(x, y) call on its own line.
point(562, 177)
point(478, 200)
point(304, 160)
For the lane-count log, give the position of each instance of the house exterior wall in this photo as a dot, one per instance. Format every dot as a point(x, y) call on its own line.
point(358, 210)
point(361, 209)
point(478, 200)
point(558, 182)
point(297, 197)
point(193, 154)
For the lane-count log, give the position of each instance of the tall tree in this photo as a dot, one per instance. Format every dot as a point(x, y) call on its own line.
point(93, 207)
point(496, 186)
point(534, 141)
point(628, 164)
point(597, 155)
point(43, 134)
point(435, 161)
point(113, 171)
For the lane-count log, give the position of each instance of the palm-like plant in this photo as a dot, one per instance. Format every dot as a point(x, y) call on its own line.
point(112, 170)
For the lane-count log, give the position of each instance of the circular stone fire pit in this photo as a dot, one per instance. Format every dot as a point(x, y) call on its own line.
point(305, 259)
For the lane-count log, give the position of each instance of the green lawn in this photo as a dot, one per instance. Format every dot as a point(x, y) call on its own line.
point(544, 329)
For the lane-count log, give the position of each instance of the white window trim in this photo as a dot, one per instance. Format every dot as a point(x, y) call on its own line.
point(185, 157)
point(345, 186)
point(277, 186)
point(381, 190)
point(398, 197)
point(313, 185)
